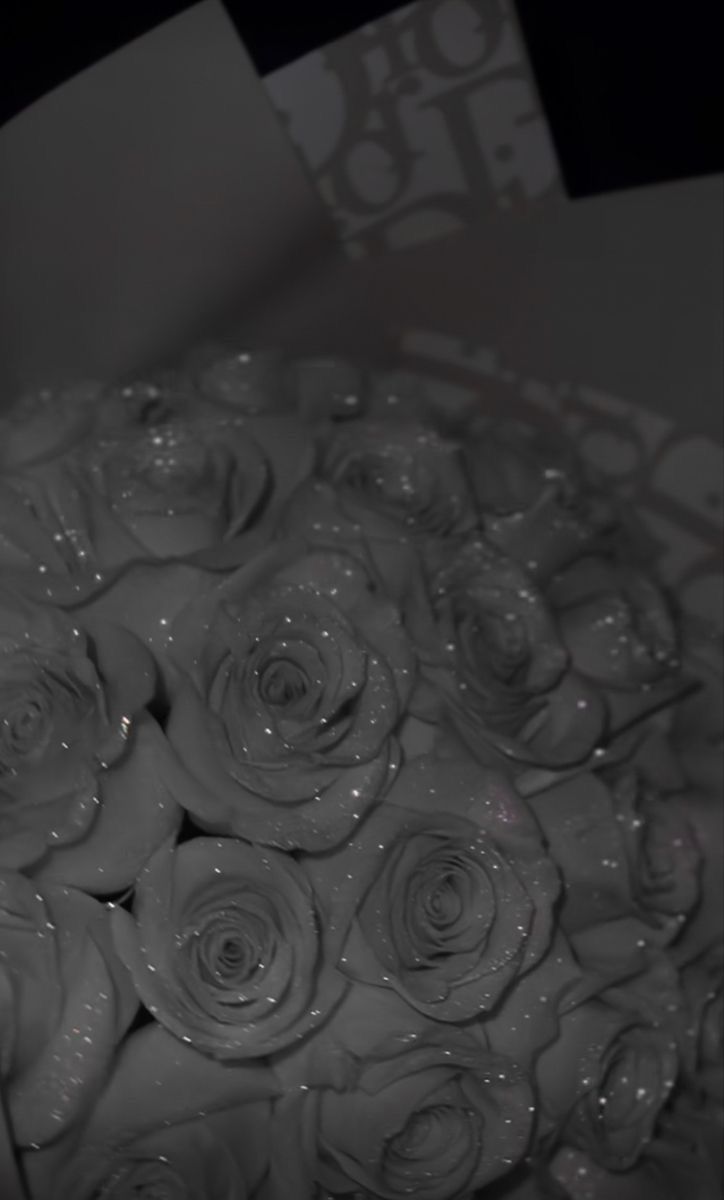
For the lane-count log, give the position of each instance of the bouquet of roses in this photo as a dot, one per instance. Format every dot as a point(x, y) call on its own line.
point(356, 829)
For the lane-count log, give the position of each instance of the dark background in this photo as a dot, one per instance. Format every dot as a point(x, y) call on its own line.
point(632, 88)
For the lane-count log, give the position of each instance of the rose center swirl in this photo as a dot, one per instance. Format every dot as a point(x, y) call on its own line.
point(23, 725)
point(450, 906)
point(41, 708)
point(497, 644)
point(299, 683)
point(434, 1144)
point(282, 683)
point(228, 954)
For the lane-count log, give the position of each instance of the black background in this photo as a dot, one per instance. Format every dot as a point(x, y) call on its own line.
point(632, 88)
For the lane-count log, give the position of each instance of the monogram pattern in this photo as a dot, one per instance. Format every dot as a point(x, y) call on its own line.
point(420, 123)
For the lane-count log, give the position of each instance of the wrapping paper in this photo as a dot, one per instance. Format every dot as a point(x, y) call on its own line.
point(420, 124)
point(393, 196)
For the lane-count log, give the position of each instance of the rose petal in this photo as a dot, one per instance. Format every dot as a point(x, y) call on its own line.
point(187, 1157)
point(7, 1022)
point(616, 949)
point(25, 540)
point(137, 812)
point(628, 708)
point(433, 803)
point(288, 447)
point(299, 986)
point(545, 537)
point(417, 737)
point(245, 1131)
point(46, 423)
point(21, 850)
point(401, 468)
point(222, 1154)
point(207, 476)
point(404, 1068)
point(76, 916)
point(10, 1179)
point(568, 1070)
point(30, 955)
point(387, 550)
point(245, 381)
point(223, 805)
point(292, 1161)
point(616, 1049)
point(155, 1073)
point(623, 633)
point(51, 1093)
point(571, 1166)
point(584, 838)
point(705, 812)
point(128, 672)
point(192, 621)
point(567, 728)
point(529, 1019)
point(93, 539)
point(146, 600)
point(355, 1150)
